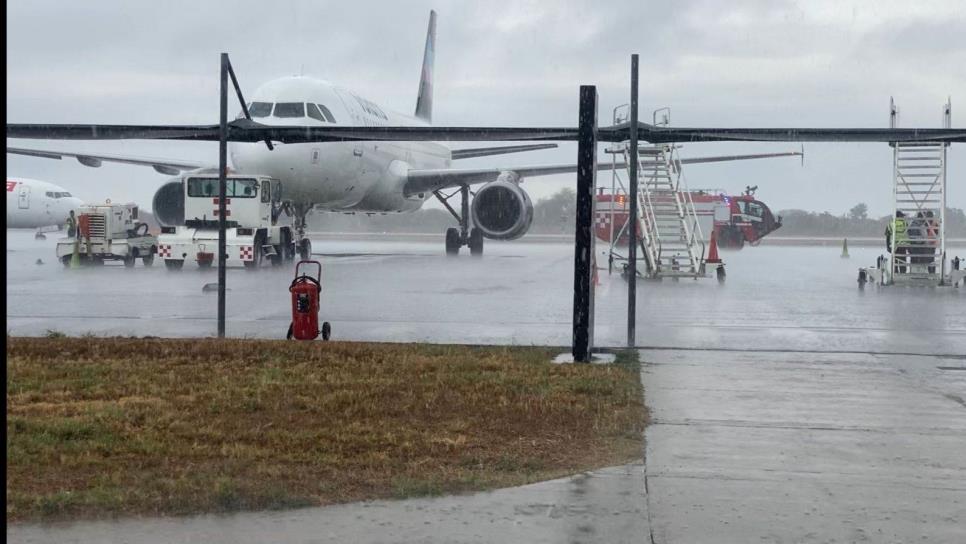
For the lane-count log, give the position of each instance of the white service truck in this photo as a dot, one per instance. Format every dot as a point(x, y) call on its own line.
point(254, 230)
point(109, 232)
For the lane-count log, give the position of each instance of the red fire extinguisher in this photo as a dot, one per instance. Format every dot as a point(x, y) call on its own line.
point(306, 290)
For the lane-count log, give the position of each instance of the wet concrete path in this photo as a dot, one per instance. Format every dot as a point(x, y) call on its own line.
point(805, 447)
point(601, 506)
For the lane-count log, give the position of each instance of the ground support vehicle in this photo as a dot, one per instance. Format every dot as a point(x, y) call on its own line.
point(916, 235)
point(256, 228)
point(108, 232)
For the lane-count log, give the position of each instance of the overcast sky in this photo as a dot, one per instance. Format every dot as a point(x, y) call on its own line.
point(714, 63)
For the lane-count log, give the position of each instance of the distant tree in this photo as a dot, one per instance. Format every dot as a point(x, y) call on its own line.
point(859, 212)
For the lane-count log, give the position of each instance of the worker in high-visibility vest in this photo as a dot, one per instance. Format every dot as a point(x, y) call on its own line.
point(71, 225)
point(897, 228)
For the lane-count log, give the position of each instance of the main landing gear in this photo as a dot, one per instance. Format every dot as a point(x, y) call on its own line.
point(464, 235)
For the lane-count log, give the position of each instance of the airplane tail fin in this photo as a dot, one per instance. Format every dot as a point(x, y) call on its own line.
point(424, 101)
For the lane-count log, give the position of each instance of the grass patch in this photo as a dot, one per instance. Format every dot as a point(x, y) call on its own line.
point(125, 426)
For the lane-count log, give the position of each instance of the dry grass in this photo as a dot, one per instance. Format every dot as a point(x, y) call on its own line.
point(102, 427)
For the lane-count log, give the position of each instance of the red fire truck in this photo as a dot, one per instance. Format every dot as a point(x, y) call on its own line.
point(735, 219)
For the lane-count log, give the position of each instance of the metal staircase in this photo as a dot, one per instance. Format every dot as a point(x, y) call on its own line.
point(671, 240)
point(919, 181)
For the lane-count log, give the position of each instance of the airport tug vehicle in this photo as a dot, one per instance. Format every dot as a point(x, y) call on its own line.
point(306, 290)
point(108, 232)
point(255, 229)
point(917, 241)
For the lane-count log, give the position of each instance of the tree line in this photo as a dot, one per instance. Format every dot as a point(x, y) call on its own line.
point(556, 214)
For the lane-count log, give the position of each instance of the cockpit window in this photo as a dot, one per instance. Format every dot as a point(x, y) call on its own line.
point(56, 194)
point(314, 113)
point(260, 109)
point(328, 114)
point(290, 109)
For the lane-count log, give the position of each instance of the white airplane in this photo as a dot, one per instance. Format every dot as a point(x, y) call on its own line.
point(35, 204)
point(366, 175)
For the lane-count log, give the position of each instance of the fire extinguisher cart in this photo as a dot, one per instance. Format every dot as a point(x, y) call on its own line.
point(306, 291)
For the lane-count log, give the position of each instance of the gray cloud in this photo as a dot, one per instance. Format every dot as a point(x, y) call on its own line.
point(760, 63)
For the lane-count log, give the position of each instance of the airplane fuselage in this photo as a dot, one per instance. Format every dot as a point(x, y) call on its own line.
point(33, 203)
point(346, 176)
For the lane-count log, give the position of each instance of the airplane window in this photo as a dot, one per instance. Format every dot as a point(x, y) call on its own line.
point(314, 113)
point(328, 114)
point(290, 109)
point(49, 194)
point(260, 109)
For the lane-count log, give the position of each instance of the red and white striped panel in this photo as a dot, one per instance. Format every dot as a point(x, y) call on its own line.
point(245, 253)
point(164, 250)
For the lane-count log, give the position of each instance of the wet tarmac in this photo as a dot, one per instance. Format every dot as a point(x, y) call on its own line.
point(787, 405)
point(805, 447)
point(518, 293)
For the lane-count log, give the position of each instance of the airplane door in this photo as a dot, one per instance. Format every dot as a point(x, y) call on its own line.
point(23, 202)
point(355, 113)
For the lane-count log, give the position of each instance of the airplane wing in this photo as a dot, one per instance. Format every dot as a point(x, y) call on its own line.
point(420, 181)
point(488, 151)
point(162, 166)
point(243, 130)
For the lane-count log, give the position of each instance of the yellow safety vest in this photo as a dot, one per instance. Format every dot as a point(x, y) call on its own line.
point(898, 228)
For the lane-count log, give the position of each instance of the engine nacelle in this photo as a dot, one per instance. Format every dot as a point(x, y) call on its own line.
point(168, 203)
point(502, 210)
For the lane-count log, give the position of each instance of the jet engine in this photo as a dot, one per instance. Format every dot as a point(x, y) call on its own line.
point(502, 210)
point(168, 203)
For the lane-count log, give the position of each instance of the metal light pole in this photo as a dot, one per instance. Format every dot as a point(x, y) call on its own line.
point(583, 324)
point(222, 189)
point(632, 216)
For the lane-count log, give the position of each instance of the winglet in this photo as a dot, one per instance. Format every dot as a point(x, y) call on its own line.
point(424, 101)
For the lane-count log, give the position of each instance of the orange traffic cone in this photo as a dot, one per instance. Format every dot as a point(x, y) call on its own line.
point(713, 252)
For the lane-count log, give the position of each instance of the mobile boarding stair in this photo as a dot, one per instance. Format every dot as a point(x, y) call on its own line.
point(919, 188)
point(671, 242)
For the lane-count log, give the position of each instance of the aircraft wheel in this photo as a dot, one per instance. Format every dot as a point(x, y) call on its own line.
point(476, 242)
point(129, 261)
point(278, 257)
point(452, 241)
point(148, 260)
point(305, 249)
point(173, 264)
point(256, 261)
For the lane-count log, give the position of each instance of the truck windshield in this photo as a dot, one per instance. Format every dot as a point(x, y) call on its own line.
point(235, 188)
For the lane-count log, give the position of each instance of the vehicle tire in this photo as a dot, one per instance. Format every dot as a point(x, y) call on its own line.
point(129, 261)
point(476, 242)
point(205, 264)
point(326, 330)
point(148, 260)
point(173, 264)
point(452, 241)
point(288, 247)
point(66, 260)
point(97, 261)
point(288, 335)
point(305, 249)
point(278, 258)
point(256, 261)
point(721, 274)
